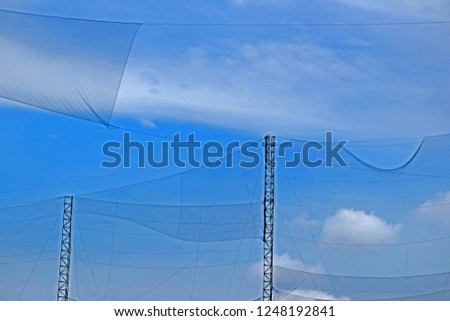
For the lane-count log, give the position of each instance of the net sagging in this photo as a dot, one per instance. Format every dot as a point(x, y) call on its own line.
point(184, 236)
point(376, 229)
point(190, 235)
point(69, 66)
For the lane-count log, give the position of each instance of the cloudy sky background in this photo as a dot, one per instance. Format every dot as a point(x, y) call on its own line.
point(294, 81)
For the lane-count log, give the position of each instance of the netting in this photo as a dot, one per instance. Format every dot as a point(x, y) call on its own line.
point(377, 229)
point(366, 231)
point(164, 239)
point(69, 66)
point(29, 250)
point(185, 223)
point(374, 228)
point(175, 237)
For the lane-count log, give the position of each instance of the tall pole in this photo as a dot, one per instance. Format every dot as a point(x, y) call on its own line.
point(66, 248)
point(269, 206)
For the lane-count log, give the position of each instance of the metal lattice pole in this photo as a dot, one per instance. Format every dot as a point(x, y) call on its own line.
point(269, 191)
point(66, 247)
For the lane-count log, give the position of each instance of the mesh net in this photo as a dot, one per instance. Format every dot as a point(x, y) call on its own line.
point(170, 238)
point(366, 231)
point(372, 230)
point(69, 66)
point(29, 250)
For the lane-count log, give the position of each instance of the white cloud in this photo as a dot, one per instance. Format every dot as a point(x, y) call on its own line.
point(260, 86)
point(303, 220)
point(349, 226)
point(417, 8)
point(286, 261)
point(289, 87)
point(436, 209)
point(146, 123)
point(283, 278)
point(310, 295)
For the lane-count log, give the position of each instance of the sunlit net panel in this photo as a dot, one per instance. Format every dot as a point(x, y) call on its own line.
point(29, 250)
point(69, 66)
point(373, 230)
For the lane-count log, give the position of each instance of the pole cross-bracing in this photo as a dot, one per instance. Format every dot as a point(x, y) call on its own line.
point(66, 248)
point(269, 206)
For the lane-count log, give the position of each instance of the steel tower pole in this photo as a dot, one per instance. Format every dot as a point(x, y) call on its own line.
point(269, 206)
point(66, 248)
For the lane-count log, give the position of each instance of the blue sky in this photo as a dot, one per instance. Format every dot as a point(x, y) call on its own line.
point(371, 85)
point(295, 75)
